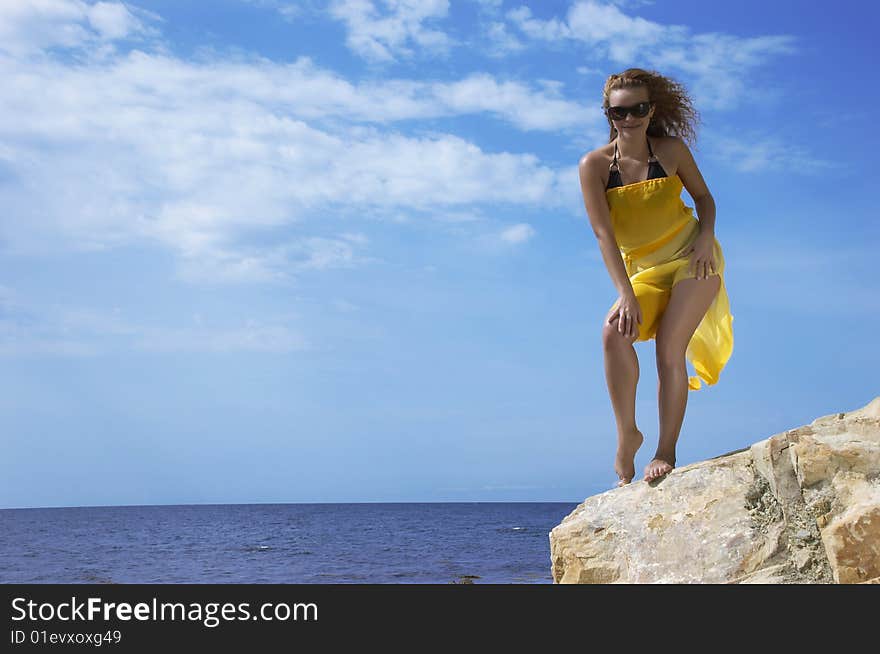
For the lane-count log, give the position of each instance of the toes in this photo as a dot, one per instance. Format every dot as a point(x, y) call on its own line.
point(623, 481)
point(657, 468)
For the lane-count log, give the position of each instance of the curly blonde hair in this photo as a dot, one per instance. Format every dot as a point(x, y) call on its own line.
point(674, 112)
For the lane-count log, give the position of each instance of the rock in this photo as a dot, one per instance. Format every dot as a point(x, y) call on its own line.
point(852, 538)
point(802, 506)
point(802, 559)
point(774, 574)
point(464, 579)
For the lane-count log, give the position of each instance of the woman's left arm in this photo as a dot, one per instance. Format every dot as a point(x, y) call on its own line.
point(705, 208)
point(693, 181)
point(703, 249)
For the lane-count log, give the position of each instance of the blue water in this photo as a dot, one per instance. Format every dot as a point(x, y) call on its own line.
point(281, 543)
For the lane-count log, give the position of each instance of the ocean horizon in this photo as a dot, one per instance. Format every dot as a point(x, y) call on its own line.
point(358, 542)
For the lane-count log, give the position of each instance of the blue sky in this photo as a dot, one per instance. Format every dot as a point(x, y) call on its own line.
point(267, 251)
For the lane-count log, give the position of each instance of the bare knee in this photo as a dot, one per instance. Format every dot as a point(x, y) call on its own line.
point(669, 357)
point(612, 337)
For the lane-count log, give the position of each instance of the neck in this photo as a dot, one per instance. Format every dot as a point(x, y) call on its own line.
point(633, 145)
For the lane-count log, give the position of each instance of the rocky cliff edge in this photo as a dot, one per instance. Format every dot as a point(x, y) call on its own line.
point(802, 506)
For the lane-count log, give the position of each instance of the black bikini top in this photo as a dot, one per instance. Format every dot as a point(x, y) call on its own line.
point(655, 169)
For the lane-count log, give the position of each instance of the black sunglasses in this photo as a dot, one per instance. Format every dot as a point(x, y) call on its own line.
point(639, 110)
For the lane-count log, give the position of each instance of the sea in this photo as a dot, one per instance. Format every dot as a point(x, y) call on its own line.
point(356, 543)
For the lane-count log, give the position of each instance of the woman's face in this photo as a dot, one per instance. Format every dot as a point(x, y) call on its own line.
point(630, 124)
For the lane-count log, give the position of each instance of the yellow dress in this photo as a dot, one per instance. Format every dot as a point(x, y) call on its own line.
point(653, 226)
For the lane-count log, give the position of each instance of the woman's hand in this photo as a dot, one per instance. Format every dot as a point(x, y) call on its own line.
point(702, 252)
point(627, 313)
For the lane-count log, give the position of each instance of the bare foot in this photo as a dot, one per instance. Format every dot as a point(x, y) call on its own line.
point(659, 467)
point(628, 444)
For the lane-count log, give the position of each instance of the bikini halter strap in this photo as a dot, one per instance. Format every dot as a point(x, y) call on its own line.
point(651, 157)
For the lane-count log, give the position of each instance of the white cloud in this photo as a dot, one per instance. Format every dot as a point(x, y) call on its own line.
point(197, 156)
point(719, 63)
point(518, 233)
point(380, 31)
point(501, 43)
point(757, 152)
point(213, 159)
point(30, 26)
point(495, 242)
point(513, 101)
point(276, 263)
point(112, 20)
point(545, 30)
point(596, 23)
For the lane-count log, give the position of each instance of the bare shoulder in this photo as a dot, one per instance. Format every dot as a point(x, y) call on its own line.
point(683, 164)
point(675, 143)
point(600, 154)
point(671, 150)
point(598, 160)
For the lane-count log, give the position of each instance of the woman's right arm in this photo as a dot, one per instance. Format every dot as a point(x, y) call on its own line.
point(593, 189)
point(600, 219)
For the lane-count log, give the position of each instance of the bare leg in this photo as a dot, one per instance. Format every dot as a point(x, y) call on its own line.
point(622, 376)
point(688, 304)
point(672, 392)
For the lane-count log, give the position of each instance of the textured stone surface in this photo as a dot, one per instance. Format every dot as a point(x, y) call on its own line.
point(802, 506)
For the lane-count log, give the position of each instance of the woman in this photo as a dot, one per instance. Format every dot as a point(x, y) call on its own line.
point(665, 262)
